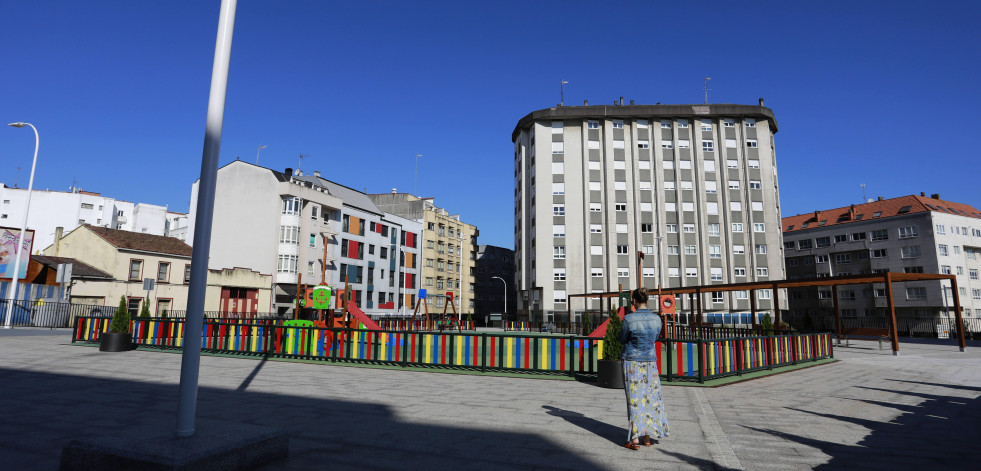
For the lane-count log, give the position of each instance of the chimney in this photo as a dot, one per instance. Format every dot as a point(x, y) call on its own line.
point(817, 214)
point(761, 102)
point(59, 231)
point(631, 102)
point(922, 193)
point(851, 212)
point(621, 101)
point(393, 191)
point(316, 173)
point(585, 103)
point(935, 196)
point(879, 198)
point(289, 172)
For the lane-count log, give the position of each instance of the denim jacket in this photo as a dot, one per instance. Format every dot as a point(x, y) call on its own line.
point(640, 331)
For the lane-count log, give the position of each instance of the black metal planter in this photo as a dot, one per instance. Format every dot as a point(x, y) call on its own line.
point(115, 342)
point(609, 374)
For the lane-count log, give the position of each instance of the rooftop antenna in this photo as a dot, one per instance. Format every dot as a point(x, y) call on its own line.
point(415, 179)
point(562, 91)
point(707, 89)
point(257, 154)
point(864, 198)
point(302, 156)
point(17, 179)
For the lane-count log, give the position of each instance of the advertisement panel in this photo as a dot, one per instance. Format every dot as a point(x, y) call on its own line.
point(9, 250)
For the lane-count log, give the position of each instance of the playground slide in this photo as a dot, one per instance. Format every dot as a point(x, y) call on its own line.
point(369, 324)
point(601, 330)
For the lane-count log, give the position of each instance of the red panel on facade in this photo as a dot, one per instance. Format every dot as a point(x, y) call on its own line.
point(352, 249)
point(410, 239)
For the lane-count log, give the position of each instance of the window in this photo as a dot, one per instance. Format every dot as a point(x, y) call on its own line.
point(646, 227)
point(750, 123)
point(910, 251)
point(742, 294)
point(732, 163)
point(789, 245)
point(713, 229)
point(708, 165)
point(667, 165)
point(822, 258)
point(623, 272)
point(915, 293)
point(674, 272)
point(712, 207)
point(738, 249)
point(755, 185)
point(673, 250)
point(689, 228)
point(792, 262)
point(558, 147)
point(691, 272)
point(977, 293)
point(757, 205)
point(315, 211)
point(596, 250)
point(763, 293)
point(907, 232)
point(621, 207)
point(940, 229)
point(163, 272)
point(881, 234)
point(135, 269)
point(643, 144)
point(618, 123)
point(730, 143)
point(686, 186)
point(289, 235)
point(858, 236)
point(735, 206)
point(707, 146)
point(621, 228)
point(618, 143)
point(706, 125)
point(761, 249)
point(913, 270)
point(557, 127)
point(558, 274)
point(879, 253)
point(759, 227)
point(717, 296)
point(682, 123)
point(843, 258)
point(595, 207)
point(728, 122)
point(739, 272)
point(691, 250)
point(671, 228)
point(805, 244)
point(291, 205)
point(592, 124)
point(667, 145)
point(957, 250)
point(734, 185)
point(945, 269)
point(737, 227)
point(751, 143)
point(684, 144)
point(762, 271)
point(558, 252)
point(187, 273)
point(559, 296)
point(942, 249)
point(558, 230)
point(287, 264)
point(313, 240)
point(973, 273)
point(669, 186)
point(595, 228)
point(641, 124)
point(822, 242)
point(558, 188)
point(665, 124)
point(621, 250)
point(647, 249)
point(753, 163)
point(558, 210)
point(716, 275)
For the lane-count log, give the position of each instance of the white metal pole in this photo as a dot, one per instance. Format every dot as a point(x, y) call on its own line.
point(23, 228)
point(506, 297)
point(191, 356)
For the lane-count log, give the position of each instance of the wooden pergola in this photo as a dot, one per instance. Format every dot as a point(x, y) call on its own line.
point(695, 299)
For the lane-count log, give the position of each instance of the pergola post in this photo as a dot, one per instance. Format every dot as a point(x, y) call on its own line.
point(698, 298)
point(957, 314)
point(752, 307)
point(834, 296)
point(691, 307)
point(776, 303)
point(887, 278)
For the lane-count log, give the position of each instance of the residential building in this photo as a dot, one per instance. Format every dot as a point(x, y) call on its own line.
point(692, 187)
point(307, 230)
point(115, 263)
point(70, 209)
point(495, 283)
point(448, 250)
point(908, 234)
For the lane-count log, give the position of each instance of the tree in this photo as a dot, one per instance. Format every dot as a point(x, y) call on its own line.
point(766, 325)
point(612, 348)
point(145, 310)
point(120, 320)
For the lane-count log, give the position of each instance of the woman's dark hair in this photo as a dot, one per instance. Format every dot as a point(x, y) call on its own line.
point(639, 296)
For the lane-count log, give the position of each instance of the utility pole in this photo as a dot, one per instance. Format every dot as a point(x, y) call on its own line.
point(707, 89)
point(257, 154)
point(562, 91)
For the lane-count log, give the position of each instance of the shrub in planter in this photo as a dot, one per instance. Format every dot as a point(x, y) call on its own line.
point(766, 325)
point(609, 373)
point(118, 338)
point(145, 310)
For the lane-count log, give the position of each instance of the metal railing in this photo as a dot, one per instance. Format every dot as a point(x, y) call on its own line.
point(678, 360)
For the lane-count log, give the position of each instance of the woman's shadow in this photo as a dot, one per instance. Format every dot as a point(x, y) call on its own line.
point(601, 429)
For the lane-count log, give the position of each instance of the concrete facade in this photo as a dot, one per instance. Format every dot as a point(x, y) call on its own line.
point(912, 234)
point(448, 248)
point(70, 209)
point(693, 187)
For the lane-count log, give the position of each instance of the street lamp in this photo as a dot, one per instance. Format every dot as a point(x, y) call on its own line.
point(505, 295)
point(23, 228)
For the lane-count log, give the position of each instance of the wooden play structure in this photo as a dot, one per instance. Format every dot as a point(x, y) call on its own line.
point(444, 321)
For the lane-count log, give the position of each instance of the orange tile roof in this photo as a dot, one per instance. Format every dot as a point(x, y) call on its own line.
point(140, 241)
point(867, 211)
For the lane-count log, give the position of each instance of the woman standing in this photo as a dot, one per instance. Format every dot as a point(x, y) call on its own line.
point(645, 409)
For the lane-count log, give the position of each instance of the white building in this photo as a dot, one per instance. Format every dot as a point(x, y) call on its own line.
point(305, 229)
point(69, 209)
point(908, 234)
point(595, 185)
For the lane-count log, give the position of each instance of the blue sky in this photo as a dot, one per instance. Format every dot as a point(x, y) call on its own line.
point(880, 93)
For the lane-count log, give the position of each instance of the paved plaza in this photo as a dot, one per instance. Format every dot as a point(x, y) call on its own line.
point(870, 410)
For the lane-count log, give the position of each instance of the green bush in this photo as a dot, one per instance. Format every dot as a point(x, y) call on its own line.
point(766, 325)
point(120, 320)
point(164, 313)
point(612, 348)
point(145, 310)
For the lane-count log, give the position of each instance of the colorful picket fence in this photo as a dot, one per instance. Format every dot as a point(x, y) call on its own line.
point(678, 360)
point(406, 325)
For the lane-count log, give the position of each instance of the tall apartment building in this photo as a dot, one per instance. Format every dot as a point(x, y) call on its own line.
point(593, 185)
point(70, 209)
point(304, 229)
point(495, 282)
point(911, 234)
point(449, 247)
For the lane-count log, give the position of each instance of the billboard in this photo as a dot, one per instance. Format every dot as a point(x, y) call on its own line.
point(9, 252)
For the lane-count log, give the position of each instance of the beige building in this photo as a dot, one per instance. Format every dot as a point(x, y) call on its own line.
point(124, 259)
point(448, 248)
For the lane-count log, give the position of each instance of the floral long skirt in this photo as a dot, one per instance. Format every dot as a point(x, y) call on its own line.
point(645, 408)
